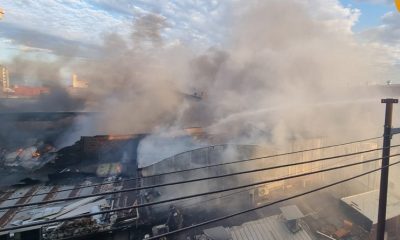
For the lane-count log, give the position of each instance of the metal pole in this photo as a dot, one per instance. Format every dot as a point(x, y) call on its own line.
point(387, 136)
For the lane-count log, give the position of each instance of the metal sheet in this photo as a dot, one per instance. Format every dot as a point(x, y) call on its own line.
point(75, 205)
point(40, 198)
point(271, 228)
point(64, 194)
point(291, 212)
point(83, 209)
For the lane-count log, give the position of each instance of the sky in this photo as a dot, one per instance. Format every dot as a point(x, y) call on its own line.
point(371, 12)
point(47, 29)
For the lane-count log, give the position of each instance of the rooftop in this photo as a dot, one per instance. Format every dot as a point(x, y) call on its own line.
point(272, 227)
point(59, 210)
point(367, 204)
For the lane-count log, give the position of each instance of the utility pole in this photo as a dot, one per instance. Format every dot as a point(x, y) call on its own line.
point(387, 136)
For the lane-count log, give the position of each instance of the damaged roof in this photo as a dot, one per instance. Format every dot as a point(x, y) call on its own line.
point(29, 214)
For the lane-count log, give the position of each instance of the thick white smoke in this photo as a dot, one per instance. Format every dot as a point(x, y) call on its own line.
point(282, 72)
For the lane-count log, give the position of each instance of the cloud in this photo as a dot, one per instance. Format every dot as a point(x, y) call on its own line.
point(29, 40)
point(85, 22)
point(197, 23)
point(55, 25)
point(385, 39)
point(376, 1)
point(67, 28)
point(73, 20)
point(388, 32)
point(334, 14)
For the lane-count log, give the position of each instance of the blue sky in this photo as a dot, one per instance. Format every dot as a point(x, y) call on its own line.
point(48, 28)
point(371, 12)
point(40, 26)
point(190, 20)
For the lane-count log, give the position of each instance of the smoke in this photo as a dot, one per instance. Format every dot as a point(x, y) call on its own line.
point(20, 127)
point(41, 73)
point(147, 29)
point(278, 71)
point(133, 83)
point(35, 71)
point(282, 72)
point(168, 143)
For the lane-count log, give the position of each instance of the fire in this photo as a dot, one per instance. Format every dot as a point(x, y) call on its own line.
point(36, 154)
point(120, 137)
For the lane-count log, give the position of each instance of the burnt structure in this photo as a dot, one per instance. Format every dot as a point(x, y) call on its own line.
point(92, 165)
point(101, 155)
point(112, 161)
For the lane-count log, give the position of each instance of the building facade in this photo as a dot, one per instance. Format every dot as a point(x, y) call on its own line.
point(5, 79)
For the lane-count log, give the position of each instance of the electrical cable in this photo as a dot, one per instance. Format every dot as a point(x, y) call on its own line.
point(269, 204)
point(191, 180)
point(197, 195)
point(203, 167)
point(245, 190)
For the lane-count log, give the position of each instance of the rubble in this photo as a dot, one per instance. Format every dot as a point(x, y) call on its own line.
point(101, 164)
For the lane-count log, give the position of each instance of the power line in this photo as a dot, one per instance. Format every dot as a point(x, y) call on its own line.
point(265, 157)
point(192, 196)
point(203, 167)
point(235, 193)
point(191, 180)
point(269, 204)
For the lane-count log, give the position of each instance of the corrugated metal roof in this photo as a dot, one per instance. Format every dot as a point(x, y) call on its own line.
point(42, 213)
point(267, 228)
point(86, 191)
point(65, 194)
point(72, 206)
point(18, 193)
point(48, 211)
point(84, 209)
point(39, 198)
point(271, 228)
point(28, 214)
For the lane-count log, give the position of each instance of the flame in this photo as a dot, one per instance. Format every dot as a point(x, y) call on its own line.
point(120, 137)
point(36, 154)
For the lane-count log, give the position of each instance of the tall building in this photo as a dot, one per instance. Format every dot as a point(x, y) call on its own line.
point(5, 79)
